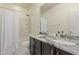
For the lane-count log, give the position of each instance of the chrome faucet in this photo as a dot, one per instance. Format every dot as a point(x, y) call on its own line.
point(68, 36)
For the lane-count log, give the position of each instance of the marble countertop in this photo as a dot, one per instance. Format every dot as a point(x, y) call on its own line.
point(73, 49)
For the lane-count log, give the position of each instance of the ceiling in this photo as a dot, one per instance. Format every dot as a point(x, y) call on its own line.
point(25, 5)
point(47, 6)
point(43, 8)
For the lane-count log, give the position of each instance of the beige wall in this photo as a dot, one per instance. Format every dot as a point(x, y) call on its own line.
point(35, 18)
point(60, 15)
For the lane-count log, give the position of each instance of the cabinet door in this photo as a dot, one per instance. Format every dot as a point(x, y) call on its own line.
point(46, 49)
point(32, 45)
point(53, 51)
point(37, 47)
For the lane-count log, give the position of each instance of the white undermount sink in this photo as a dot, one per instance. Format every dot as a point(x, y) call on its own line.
point(64, 42)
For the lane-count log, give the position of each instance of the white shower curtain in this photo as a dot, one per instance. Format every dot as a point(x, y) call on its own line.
point(10, 30)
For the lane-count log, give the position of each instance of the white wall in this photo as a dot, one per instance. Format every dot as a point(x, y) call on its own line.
point(60, 15)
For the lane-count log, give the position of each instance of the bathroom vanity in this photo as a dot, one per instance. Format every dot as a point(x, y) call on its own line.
point(38, 47)
point(43, 46)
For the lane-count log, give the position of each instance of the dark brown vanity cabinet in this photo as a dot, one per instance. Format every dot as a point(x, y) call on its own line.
point(38, 47)
point(35, 46)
